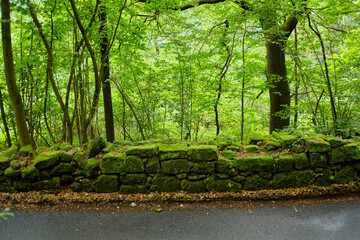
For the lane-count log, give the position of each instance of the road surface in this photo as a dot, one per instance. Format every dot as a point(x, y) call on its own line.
point(328, 221)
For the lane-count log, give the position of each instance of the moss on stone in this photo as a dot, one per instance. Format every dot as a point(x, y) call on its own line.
point(4, 162)
point(255, 138)
point(233, 148)
point(88, 185)
point(134, 178)
point(271, 144)
point(131, 189)
point(222, 165)
point(175, 166)
point(95, 146)
point(345, 175)
point(193, 186)
point(255, 182)
point(80, 159)
point(134, 164)
point(30, 173)
point(10, 151)
point(317, 160)
point(285, 138)
point(225, 185)
point(203, 153)
point(210, 183)
point(251, 148)
point(144, 151)
point(55, 147)
point(66, 179)
point(15, 165)
point(65, 146)
point(66, 157)
point(112, 163)
point(47, 159)
point(62, 168)
point(172, 151)
point(325, 179)
point(239, 179)
point(92, 167)
point(347, 153)
point(163, 183)
point(256, 164)
point(203, 167)
point(12, 174)
point(335, 142)
point(317, 145)
point(229, 154)
point(286, 163)
point(22, 186)
point(298, 149)
point(152, 165)
point(109, 147)
point(26, 151)
point(107, 183)
point(47, 184)
point(293, 179)
point(76, 187)
point(301, 161)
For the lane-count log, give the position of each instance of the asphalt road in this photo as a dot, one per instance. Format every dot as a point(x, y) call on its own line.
point(328, 221)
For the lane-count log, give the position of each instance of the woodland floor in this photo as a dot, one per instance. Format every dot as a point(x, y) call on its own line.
point(66, 200)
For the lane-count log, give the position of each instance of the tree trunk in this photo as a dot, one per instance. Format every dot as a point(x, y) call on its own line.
point(279, 87)
point(3, 116)
point(108, 108)
point(17, 104)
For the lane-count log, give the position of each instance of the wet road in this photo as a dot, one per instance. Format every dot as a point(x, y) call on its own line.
point(328, 221)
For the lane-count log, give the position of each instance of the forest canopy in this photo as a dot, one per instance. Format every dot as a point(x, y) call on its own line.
point(175, 69)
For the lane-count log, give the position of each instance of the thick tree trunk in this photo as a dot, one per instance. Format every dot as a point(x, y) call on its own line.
point(108, 109)
point(279, 87)
point(17, 104)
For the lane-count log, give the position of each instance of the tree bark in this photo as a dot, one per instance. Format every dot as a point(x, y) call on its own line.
point(108, 108)
point(17, 104)
point(3, 116)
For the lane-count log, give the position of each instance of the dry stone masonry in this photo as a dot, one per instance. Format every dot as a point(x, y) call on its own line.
point(277, 161)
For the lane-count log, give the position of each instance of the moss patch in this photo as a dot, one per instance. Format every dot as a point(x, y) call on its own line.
point(203, 153)
point(172, 151)
point(293, 179)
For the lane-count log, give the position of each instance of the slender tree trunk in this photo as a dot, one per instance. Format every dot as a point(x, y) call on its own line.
point(108, 108)
point(243, 86)
point(17, 104)
point(3, 116)
point(296, 80)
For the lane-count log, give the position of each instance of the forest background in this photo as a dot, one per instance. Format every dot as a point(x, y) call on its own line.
point(176, 69)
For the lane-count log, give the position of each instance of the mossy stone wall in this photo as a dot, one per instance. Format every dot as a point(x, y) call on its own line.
point(280, 161)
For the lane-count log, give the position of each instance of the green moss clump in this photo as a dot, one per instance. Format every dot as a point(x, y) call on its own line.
point(163, 183)
point(55, 147)
point(47, 159)
point(12, 174)
point(255, 182)
point(271, 144)
point(22, 186)
point(26, 151)
point(229, 154)
point(225, 185)
point(203, 153)
point(255, 138)
point(347, 153)
point(95, 146)
point(30, 173)
point(175, 166)
point(47, 184)
point(134, 178)
point(109, 147)
point(80, 159)
point(193, 186)
point(112, 163)
point(4, 162)
point(293, 179)
point(252, 149)
point(210, 183)
point(152, 165)
point(325, 179)
point(286, 163)
point(301, 161)
point(65, 146)
point(15, 165)
point(204, 167)
point(62, 168)
point(10, 151)
point(317, 145)
point(134, 164)
point(335, 142)
point(172, 151)
point(107, 183)
point(92, 167)
point(222, 165)
point(285, 138)
point(345, 175)
point(318, 160)
point(145, 151)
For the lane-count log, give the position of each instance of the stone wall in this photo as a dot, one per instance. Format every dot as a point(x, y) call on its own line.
point(273, 162)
